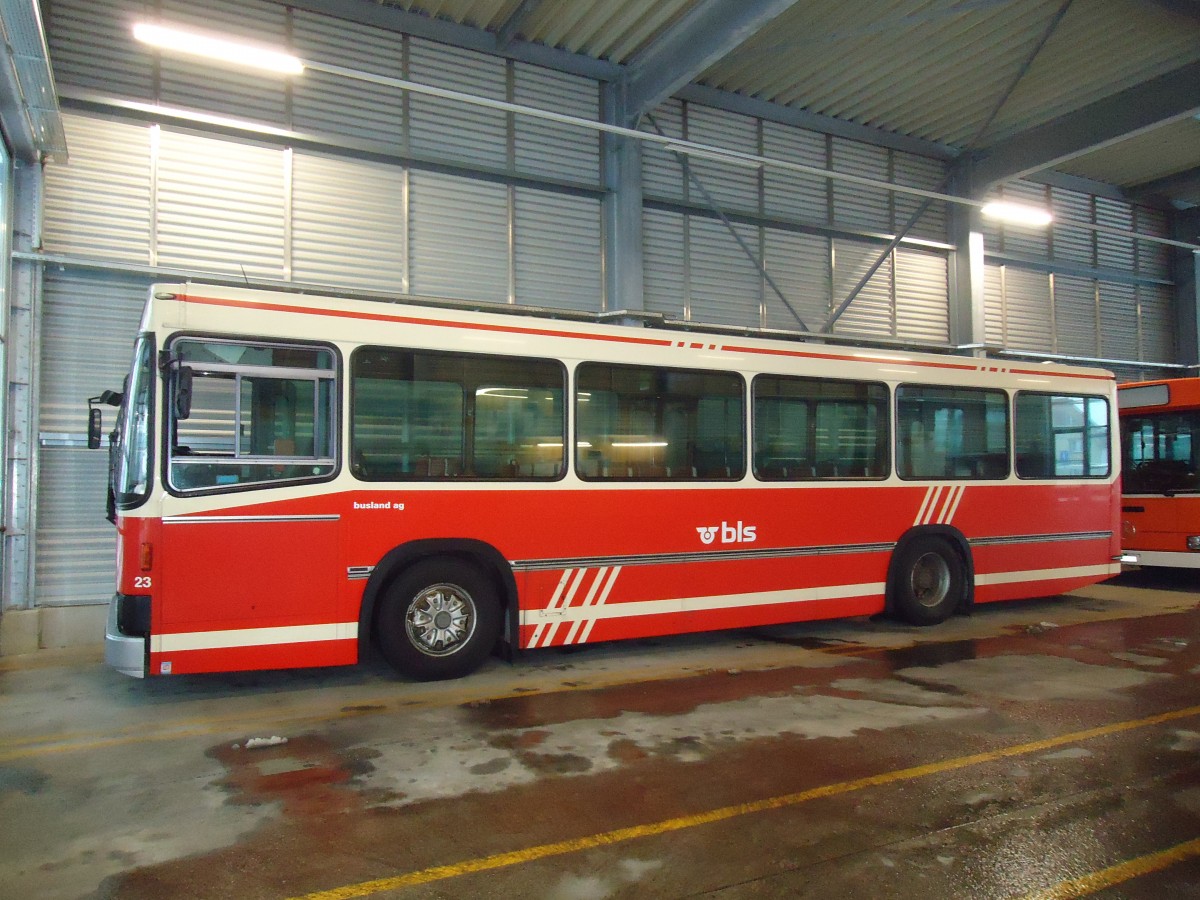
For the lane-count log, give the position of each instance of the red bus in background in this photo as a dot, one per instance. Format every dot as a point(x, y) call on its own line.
point(293, 476)
point(1160, 448)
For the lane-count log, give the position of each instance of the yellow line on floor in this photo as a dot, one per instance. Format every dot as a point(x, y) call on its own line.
point(1106, 878)
point(621, 835)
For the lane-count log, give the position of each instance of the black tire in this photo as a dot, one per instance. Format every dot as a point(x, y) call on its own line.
point(439, 619)
point(929, 580)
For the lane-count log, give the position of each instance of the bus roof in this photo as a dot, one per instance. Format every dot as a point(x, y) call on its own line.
point(567, 326)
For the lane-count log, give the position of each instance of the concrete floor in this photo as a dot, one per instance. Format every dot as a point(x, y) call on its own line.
point(1048, 748)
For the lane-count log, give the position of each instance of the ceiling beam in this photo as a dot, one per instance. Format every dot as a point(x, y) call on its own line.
point(1158, 101)
point(708, 33)
point(512, 27)
point(1183, 183)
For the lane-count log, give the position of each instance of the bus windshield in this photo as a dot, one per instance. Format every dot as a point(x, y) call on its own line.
point(1162, 451)
point(131, 448)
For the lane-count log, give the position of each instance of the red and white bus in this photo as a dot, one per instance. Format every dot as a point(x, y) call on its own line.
point(294, 476)
point(1160, 446)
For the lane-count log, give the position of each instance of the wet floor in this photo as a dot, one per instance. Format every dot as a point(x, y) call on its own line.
point(1049, 748)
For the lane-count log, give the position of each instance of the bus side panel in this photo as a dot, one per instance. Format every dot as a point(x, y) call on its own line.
point(601, 603)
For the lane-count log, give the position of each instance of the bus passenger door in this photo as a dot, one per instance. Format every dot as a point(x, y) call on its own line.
point(247, 585)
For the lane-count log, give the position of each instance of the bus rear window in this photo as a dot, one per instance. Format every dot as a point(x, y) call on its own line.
point(1062, 436)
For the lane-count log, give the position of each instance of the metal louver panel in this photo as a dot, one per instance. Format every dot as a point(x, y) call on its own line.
point(1118, 321)
point(791, 195)
point(1075, 315)
point(100, 203)
point(922, 295)
point(76, 547)
point(733, 188)
point(800, 265)
point(1158, 323)
point(1028, 242)
point(993, 304)
point(725, 284)
point(1028, 317)
point(856, 205)
point(348, 223)
point(92, 48)
point(458, 237)
point(928, 174)
point(1114, 251)
point(218, 90)
point(664, 280)
point(1072, 244)
point(332, 104)
point(220, 206)
point(557, 250)
point(550, 150)
point(662, 174)
point(1154, 260)
point(447, 129)
point(89, 322)
point(871, 313)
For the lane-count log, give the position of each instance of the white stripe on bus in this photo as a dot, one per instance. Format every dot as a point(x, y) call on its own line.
point(253, 637)
point(700, 604)
point(603, 599)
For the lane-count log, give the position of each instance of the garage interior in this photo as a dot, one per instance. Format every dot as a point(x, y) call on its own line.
point(806, 169)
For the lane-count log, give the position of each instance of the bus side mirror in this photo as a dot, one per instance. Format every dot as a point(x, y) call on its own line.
point(95, 418)
point(95, 426)
point(183, 392)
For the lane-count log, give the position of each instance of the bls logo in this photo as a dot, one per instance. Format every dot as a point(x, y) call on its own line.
point(730, 534)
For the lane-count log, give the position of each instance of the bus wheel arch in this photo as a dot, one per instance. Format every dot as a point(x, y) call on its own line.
point(931, 576)
point(472, 566)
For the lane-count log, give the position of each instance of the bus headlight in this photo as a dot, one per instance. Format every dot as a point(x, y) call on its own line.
point(1193, 542)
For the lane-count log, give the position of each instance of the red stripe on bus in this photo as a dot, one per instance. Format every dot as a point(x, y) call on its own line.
point(410, 320)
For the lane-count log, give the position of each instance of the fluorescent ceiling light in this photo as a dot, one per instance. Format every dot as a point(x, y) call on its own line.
point(1017, 214)
point(196, 44)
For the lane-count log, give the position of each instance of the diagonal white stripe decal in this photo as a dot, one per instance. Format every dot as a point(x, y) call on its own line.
point(957, 500)
point(570, 595)
point(587, 601)
point(587, 631)
point(537, 632)
point(950, 495)
point(924, 503)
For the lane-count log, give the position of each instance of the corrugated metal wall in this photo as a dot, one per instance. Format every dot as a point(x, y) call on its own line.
point(505, 209)
point(1081, 292)
point(816, 236)
point(407, 193)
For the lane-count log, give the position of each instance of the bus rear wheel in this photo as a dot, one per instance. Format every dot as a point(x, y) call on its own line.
point(440, 619)
point(928, 581)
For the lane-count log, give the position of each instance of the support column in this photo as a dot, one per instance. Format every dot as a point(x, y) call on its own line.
point(19, 630)
point(622, 173)
point(966, 313)
point(1185, 270)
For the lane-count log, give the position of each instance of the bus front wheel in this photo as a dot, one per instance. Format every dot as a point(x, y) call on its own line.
point(928, 581)
point(440, 619)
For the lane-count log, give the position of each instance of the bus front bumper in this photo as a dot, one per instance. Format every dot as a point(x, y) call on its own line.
point(125, 653)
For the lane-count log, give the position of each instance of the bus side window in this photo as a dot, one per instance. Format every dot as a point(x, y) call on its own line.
point(644, 423)
point(951, 433)
point(818, 428)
